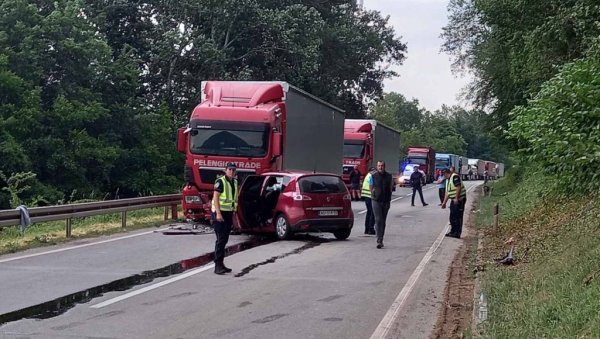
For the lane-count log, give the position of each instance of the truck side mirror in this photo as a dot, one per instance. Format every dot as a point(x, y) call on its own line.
point(182, 140)
point(277, 144)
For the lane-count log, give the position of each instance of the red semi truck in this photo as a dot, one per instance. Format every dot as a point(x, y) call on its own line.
point(425, 158)
point(367, 141)
point(259, 126)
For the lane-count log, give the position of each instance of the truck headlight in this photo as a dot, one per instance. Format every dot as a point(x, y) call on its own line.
point(191, 199)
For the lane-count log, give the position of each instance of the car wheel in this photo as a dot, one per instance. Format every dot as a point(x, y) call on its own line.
point(282, 227)
point(342, 234)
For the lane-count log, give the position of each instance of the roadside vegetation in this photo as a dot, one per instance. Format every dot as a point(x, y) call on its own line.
point(553, 288)
point(52, 233)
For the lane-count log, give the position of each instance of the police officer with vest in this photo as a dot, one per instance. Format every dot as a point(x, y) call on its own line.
point(366, 194)
point(223, 206)
point(457, 194)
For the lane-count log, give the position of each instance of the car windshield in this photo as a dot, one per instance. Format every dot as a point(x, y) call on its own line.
point(234, 139)
point(321, 184)
point(354, 148)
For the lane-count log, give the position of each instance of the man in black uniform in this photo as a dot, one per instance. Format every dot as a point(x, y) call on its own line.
point(381, 197)
point(416, 179)
point(223, 206)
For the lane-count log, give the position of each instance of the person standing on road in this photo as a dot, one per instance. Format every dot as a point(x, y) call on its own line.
point(355, 183)
point(381, 196)
point(223, 205)
point(441, 181)
point(366, 194)
point(457, 194)
point(416, 179)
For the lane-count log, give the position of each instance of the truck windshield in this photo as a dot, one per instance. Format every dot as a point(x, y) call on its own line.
point(354, 149)
point(442, 163)
point(237, 139)
point(420, 161)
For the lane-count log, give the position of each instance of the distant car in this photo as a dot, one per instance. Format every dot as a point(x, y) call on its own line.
point(285, 203)
point(404, 180)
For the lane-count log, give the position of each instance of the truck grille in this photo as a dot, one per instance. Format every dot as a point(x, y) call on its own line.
point(209, 175)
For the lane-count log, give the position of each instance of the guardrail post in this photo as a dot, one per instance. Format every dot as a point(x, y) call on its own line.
point(496, 215)
point(174, 212)
point(69, 227)
point(166, 216)
point(124, 219)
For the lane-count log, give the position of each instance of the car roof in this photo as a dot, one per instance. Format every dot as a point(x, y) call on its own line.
point(297, 174)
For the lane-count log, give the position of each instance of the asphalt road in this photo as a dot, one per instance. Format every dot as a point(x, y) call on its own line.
point(290, 289)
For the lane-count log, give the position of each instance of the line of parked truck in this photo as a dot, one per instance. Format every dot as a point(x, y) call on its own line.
point(432, 164)
point(268, 127)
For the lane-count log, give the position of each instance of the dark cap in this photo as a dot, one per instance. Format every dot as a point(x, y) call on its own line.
point(447, 170)
point(231, 165)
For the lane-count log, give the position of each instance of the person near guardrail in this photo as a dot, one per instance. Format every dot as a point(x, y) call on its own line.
point(457, 194)
point(223, 205)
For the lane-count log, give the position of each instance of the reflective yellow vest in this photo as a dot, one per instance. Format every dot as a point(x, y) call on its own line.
point(451, 189)
point(366, 188)
point(226, 201)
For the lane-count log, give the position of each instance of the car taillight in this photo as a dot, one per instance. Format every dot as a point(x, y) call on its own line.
point(301, 197)
point(347, 197)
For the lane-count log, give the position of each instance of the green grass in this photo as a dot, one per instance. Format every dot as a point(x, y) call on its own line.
point(51, 233)
point(553, 291)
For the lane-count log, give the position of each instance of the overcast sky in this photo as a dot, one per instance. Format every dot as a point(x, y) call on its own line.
point(425, 74)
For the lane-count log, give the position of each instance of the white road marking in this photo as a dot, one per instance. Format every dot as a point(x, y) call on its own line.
point(388, 320)
point(152, 287)
point(390, 317)
point(73, 247)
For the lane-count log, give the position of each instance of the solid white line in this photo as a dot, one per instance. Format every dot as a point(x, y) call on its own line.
point(73, 247)
point(386, 323)
point(390, 317)
point(152, 287)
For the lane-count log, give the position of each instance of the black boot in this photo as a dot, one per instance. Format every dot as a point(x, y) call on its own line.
point(227, 269)
point(220, 268)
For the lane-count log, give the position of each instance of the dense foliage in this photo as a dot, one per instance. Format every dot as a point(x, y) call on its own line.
point(560, 127)
point(515, 49)
point(91, 92)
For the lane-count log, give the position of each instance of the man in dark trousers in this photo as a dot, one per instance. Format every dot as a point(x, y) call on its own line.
point(366, 194)
point(381, 197)
point(416, 180)
point(223, 205)
point(457, 194)
point(355, 183)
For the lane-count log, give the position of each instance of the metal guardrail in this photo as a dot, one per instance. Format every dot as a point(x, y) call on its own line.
point(70, 211)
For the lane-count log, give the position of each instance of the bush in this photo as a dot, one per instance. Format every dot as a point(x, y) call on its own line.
point(560, 128)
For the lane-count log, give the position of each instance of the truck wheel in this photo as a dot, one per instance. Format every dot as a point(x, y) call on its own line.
point(282, 228)
point(342, 234)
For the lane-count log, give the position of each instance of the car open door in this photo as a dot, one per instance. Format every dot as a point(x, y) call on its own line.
point(246, 217)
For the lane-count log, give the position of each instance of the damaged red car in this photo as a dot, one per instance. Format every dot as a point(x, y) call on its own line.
point(285, 203)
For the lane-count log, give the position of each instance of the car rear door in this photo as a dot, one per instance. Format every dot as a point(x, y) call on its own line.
point(324, 196)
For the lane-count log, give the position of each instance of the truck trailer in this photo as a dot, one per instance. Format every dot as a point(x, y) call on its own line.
point(366, 142)
point(259, 126)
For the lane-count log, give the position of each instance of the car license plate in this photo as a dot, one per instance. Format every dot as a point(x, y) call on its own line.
point(328, 213)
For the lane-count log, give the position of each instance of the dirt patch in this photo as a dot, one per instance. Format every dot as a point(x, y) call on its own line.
point(456, 316)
